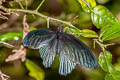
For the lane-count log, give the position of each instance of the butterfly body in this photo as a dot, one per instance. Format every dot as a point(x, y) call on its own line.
point(71, 51)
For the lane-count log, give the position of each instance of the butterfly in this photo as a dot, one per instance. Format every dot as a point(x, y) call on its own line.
point(71, 50)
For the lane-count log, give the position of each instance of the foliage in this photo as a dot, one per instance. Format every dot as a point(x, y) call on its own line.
point(105, 59)
point(87, 5)
point(88, 33)
point(13, 35)
point(109, 33)
point(10, 36)
point(103, 19)
point(105, 30)
point(35, 71)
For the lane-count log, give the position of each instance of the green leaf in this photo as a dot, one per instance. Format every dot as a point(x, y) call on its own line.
point(102, 17)
point(102, 1)
point(110, 33)
point(72, 30)
point(35, 71)
point(116, 75)
point(85, 32)
point(105, 59)
point(108, 77)
point(87, 5)
point(88, 33)
point(10, 36)
point(13, 35)
point(113, 76)
point(32, 28)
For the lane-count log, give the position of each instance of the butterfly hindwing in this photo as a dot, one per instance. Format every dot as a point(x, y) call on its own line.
point(66, 65)
point(48, 52)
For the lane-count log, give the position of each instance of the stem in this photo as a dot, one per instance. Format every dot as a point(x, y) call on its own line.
point(94, 44)
point(21, 5)
point(100, 44)
point(103, 48)
point(6, 44)
point(86, 3)
point(40, 5)
point(26, 3)
point(48, 23)
point(43, 16)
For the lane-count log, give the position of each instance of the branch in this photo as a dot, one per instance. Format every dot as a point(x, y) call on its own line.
point(6, 44)
point(43, 16)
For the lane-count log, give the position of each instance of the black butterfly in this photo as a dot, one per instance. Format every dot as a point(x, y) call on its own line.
point(71, 51)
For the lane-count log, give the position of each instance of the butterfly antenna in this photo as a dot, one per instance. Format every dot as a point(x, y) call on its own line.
point(60, 28)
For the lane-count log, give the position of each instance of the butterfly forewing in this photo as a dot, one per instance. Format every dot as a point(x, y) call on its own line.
point(73, 52)
point(35, 38)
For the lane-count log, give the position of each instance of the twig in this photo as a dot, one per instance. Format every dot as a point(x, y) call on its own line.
point(3, 15)
point(3, 76)
point(26, 2)
point(25, 26)
point(48, 22)
point(3, 8)
point(43, 16)
point(40, 5)
point(103, 46)
point(20, 5)
point(6, 44)
point(21, 53)
point(100, 44)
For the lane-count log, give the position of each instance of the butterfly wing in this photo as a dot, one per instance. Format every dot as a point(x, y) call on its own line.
point(44, 40)
point(72, 52)
point(34, 38)
point(48, 52)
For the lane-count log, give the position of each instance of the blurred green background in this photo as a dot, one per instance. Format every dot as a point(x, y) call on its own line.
point(68, 10)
